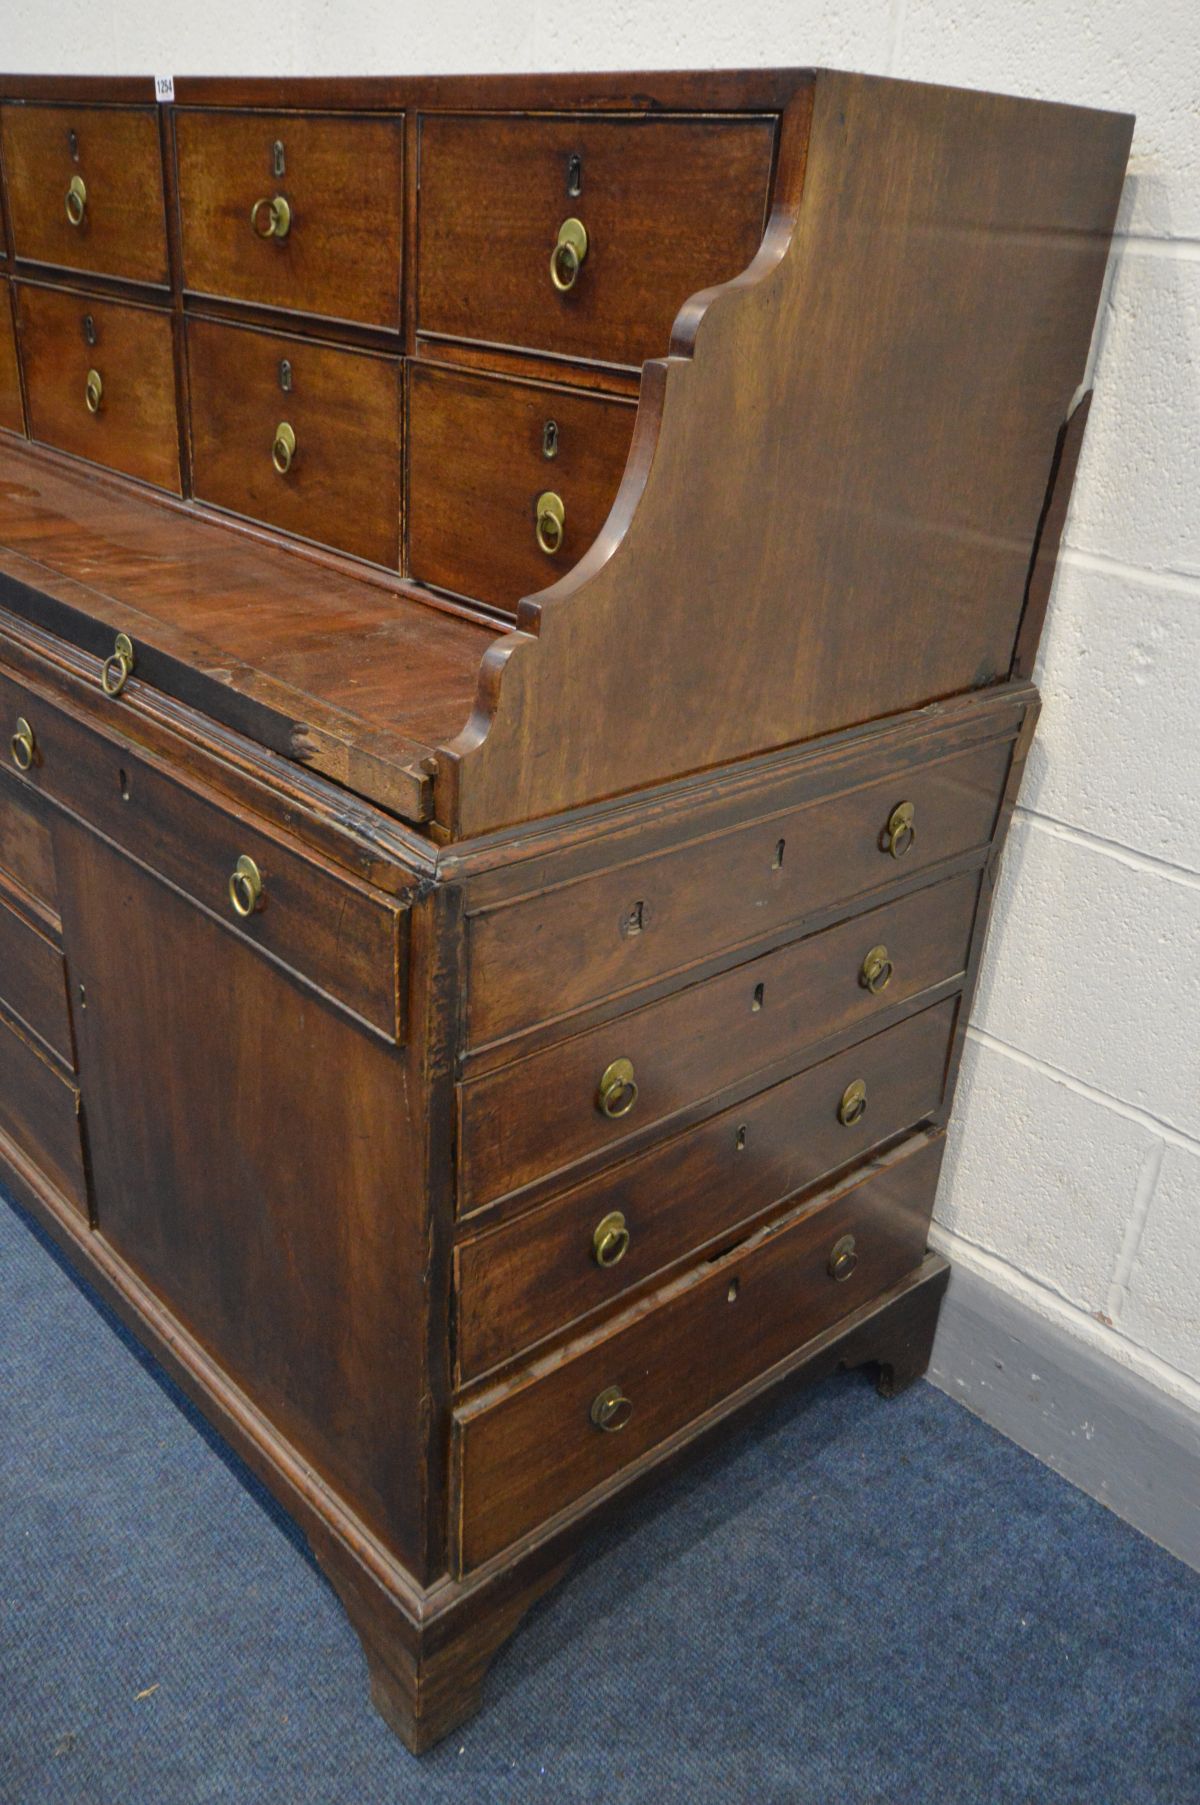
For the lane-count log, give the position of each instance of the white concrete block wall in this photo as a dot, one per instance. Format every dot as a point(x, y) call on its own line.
point(1073, 1180)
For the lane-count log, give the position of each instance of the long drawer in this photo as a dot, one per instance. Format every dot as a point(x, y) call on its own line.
point(33, 982)
point(583, 1251)
point(534, 1445)
point(39, 1114)
point(585, 1097)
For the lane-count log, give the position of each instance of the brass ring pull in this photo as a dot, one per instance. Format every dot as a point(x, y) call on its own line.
point(877, 969)
point(24, 749)
point(246, 887)
point(610, 1241)
point(118, 666)
point(566, 259)
point(271, 217)
point(853, 1106)
point(611, 1409)
point(618, 1091)
point(551, 518)
point(93, 391)
point(900, 832)
point(76, 200)
point(842, 1259)
point(283, 450)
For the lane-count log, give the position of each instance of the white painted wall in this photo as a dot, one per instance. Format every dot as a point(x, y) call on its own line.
point(1074, 1175)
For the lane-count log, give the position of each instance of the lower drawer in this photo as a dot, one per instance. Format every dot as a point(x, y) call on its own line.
point(39, 1115)
point(33, 983)
point(534, 1445)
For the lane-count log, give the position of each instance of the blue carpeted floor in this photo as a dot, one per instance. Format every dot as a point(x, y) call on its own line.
point(851, 1601)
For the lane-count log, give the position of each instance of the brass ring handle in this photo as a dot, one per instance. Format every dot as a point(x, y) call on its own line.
point(76, 200)
point(618, 1091)
point(900, 831)
point(611, 1409)
point(551, 518)
point(283, 450)
point(853, 1106)
point(93, 391)
point(245, 887)
point(23, 745)
point(843, 1259)
point(117, 666)
point(610, 1240)
point(275, 221)
point(566, 259)
point(877, 969)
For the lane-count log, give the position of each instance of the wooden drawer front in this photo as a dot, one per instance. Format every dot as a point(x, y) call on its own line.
point(39, 1114)
point(340, 937)
point(343, 184)
point(539, 1115)
point(478, 467)
point(114, 152)
point(26, 849)
point(670, 206)
point(134, 427)
point(33, 983)
point(12, 413)
point(528, 1448)
point(342, 486)
point(524, 1281)
point(547, 954)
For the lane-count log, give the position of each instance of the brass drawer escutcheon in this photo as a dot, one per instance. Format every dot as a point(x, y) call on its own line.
point(853, 1106)
point(566, 259)
point(900, 832)
point(271, 217)
point(611, 1409)
point(283, 449)
point(877, 969)
point(610, 1241)
point(842, 1259)
point(550, 525)
point(618, 1091)
point(23, 747)
point(117, 666)
point(76, 200)
point(93, 391)
point(246, 887)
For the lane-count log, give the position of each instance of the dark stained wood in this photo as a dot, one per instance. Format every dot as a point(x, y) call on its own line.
point(123, 231)
point(343, 180)
point(494, 193)
point(33, 983)
point(343, 486)
point(12, 409)
point(39, 1116)
point(26, 849)
point(135, 429)
point(477, 467)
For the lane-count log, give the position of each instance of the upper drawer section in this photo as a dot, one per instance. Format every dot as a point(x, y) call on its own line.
point(669, 206)
point(85, 188)
point(293, 210)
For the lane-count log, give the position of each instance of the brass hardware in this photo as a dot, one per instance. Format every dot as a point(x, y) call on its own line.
point(245, 887)
point(574, 175)
point(284, 448)
point(550, 439)
point(76, 200)
point(551, 519)
point(618, 1091)
point(876, 973)
point(93, 391)
point(278, 160)
point(89, 330)
point(611, 1409)
point(842, 1259)
point(900, 833)
point(853, 1106)
point(285, 375)
point(271, 217)
point(117, 667)
point(566, 259)
point(23, 745)
point(610, 1241)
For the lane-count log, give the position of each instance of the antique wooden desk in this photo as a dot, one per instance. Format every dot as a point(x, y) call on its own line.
point(505, 763)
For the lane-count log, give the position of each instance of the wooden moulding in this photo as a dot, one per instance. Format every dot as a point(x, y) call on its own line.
point(838, 475)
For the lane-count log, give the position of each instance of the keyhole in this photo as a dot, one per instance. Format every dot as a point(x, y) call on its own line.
point(123, 780)
point(574, 174)
point(278, 162)
point(777, 861)
point(82, 997)
point(550, 439)
point(735, 1286)
point(759, 995)
point(73, 146)
point(89, 329)
point(739, 1139)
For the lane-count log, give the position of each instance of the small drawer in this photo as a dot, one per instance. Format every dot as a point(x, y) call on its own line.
point(100, 380)
point(33, 983)
point(26, 847)
point(544, 955)
point(85, 188)
point(531, 1447)
point(12, 413)
point(295, 210)
point(298, 435)
point(509, 482)
point(528, 1279)
point(335, 935)
point(576, 1100)
point(669, 206)
point(39, 1115)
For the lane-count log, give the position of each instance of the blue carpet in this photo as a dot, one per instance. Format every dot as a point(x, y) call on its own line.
point(851, 1601)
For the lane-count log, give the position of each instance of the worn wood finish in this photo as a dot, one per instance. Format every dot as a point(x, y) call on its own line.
point(12, 408)
point(134, 428)
point(343, 484)
point(477, 466)
point(33, 983)
point(39, 1115)
point(115, 151)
